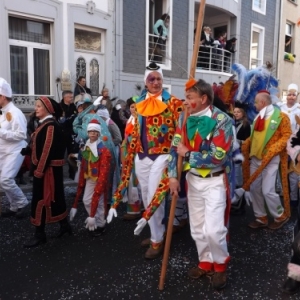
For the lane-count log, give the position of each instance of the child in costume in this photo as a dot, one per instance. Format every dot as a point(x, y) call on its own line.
point(96, 162)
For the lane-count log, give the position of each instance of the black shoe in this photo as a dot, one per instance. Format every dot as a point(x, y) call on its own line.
point(291, 286)
point(66, 228)
point(8, 213)
point(36, 241)
point(99, 231)
point(21, 212)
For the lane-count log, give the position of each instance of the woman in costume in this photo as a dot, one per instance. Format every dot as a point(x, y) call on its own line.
point(47, 154)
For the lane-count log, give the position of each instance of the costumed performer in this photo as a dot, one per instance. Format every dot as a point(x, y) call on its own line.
point(47, 155)
point(157, 118)
point(96, 160)
point(207, 152)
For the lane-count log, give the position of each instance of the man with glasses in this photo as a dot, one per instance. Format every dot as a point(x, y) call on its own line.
point(13, 128)
point(157, 118)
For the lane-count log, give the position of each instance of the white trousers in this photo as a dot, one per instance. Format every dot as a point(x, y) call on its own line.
point(206, 205)
point(262, 190)
point(9, 168)
point(87, 201)
point(149, 173)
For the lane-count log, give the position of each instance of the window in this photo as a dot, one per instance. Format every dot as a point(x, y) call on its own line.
point(30, 45)
point(259, 6)
point(159, 32)
point(288, 43)
point(257, 46)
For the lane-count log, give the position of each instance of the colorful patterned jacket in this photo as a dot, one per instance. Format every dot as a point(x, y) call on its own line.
point(160, 131)
point(277, 136)
point(209, 153)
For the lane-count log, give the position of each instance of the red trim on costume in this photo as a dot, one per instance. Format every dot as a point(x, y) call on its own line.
point(206, 265)
point(221, 267)
point(46, 150)
point(49, 188)
point(259, 124)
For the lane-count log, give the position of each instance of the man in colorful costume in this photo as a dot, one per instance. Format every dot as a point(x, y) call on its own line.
point(207, 150)
point(157, 118)
point(267, 149)
point(96, 162)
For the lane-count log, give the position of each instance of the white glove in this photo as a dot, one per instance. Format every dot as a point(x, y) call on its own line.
point(248, 198)
point(140, 225)
point(90, 224)
point(98, 101)
point(73, 213)
point(163, 38)
point(111, 213)
point(238, 194)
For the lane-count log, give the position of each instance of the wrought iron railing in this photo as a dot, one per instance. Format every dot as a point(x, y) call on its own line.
point(214, 59)
point(25, 102)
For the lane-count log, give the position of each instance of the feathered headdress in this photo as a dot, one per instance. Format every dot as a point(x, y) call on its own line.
point(251, 82)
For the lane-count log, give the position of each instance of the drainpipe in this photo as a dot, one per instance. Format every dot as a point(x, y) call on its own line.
point(278, 20)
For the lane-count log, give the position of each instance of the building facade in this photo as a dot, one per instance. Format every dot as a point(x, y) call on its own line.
point(135, 41)
point(49, 43)
point(289, 45)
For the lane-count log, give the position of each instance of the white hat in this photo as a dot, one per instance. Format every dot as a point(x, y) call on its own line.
point(103, 112)
point(5, 88)
point(153, 67)
point(94, 125)
point(293, 86)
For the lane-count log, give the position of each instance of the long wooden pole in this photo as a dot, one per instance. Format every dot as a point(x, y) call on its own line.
point(179, 163)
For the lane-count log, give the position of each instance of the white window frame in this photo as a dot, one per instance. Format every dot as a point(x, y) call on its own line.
point(291, 34)
point(260, 10)
point(167, 8)
point(261, 31)
point(30, 46)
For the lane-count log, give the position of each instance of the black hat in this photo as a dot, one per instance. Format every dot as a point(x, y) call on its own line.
point(152, 66)
point(241, 105)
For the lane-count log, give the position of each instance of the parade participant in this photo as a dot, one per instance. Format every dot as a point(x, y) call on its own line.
point(292, 109)
point(96, 162)
point(243, 131)
point(12, 140)
point(157, 118)
point(267, 149)
point(292, 283)
point(133, 208)
point(207, 153)
point(47, 154)
point(80, 125)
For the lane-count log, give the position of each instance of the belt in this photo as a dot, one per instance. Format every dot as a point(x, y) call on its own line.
point(209, 175)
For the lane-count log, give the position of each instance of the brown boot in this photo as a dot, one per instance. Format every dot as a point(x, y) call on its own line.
point(196, 273)
point(219, 280)
point(145, 243)
point(153, 253)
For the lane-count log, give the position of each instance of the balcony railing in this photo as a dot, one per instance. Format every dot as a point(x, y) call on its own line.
point(158, 49)
point(214, 59)
point(25, 102)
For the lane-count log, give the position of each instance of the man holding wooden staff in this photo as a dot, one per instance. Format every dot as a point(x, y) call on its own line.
point(157, 119)
point(207, 152)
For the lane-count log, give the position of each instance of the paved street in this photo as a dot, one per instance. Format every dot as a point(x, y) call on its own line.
point(112, 266)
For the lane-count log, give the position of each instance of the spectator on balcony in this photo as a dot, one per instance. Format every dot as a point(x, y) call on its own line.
point(219, 57)
point(230, 47)
point(161, 30)
point(206, 43)
point(81, 87)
